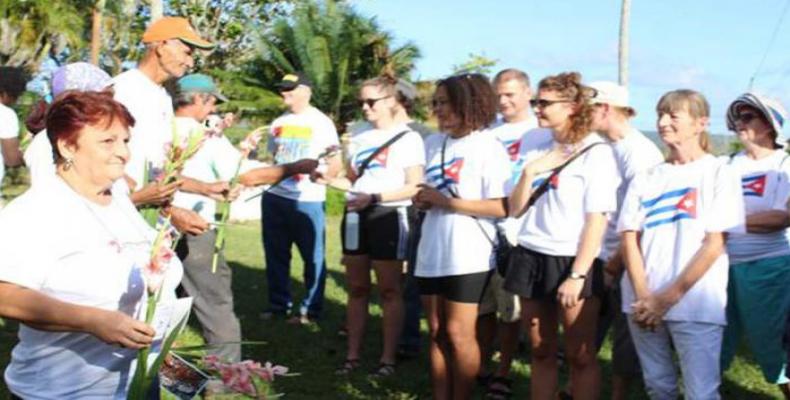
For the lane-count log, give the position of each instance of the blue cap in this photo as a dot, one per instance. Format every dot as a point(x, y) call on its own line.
point(200, 83)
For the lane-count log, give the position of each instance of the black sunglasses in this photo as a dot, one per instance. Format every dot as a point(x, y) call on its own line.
point(370, 102)
point(746, 117)
point(543, 103)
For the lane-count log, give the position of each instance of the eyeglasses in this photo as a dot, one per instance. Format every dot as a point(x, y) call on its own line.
point(746, 117)
point(543, 103)
point(370, 102)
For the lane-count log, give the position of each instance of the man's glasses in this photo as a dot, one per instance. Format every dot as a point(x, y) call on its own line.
point(746, 117)
point(370, 102)
point(543, 103)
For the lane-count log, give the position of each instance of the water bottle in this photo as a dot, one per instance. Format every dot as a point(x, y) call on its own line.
point(352, 231)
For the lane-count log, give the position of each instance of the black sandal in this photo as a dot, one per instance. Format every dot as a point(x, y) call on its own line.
point(348, 366)
point(499, 388)
point(383, 370)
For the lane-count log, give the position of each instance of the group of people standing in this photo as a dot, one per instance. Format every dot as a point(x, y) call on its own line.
point(526, 210)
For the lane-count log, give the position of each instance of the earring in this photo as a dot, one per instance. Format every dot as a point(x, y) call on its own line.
point(68, 163)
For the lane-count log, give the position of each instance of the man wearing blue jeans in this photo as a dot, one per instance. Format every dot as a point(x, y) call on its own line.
point(293, 209)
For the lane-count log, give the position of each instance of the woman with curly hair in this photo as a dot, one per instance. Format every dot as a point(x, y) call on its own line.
point(466, 173)
point(567, 189)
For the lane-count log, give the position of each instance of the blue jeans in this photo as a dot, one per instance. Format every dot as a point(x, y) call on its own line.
point(286, 222)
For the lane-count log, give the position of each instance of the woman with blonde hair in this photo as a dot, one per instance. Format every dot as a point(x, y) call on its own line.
point(566, 191)
point(386, 163)
point(673, 224)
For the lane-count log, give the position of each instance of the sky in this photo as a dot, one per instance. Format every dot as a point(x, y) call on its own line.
point(711, 46)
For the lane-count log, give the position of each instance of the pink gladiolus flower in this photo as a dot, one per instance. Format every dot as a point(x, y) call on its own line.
point(250, 143)
point(155, 270)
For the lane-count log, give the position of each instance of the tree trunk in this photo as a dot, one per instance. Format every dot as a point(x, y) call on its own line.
point(96, 40)
point(623, 49)
point(157, 10)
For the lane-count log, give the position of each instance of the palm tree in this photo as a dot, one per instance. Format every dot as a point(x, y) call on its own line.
point(31, 30)
point(336, 48)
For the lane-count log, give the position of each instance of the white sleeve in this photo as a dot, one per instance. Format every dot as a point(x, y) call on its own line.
point(603, 178)
point(727, 209)
point(496, 173)
point(411, 150)
point(328, 136)
point(632, 214)
point(782, 193)
point(23, 263)
point(9, 123)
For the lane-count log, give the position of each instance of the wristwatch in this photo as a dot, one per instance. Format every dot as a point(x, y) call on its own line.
point(576, 275)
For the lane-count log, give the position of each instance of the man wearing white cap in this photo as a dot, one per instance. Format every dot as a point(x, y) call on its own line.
point(634, 153)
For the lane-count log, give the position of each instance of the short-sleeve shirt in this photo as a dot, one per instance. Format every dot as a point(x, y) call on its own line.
point(58, 243)
point(298, 136)
point(765, 187)
point(634, 153)
point(152, 109)
point(216, 160)
point(386, 172)
point(554, 224)
point(674, 207)
point(9, 129)
point(475, 167)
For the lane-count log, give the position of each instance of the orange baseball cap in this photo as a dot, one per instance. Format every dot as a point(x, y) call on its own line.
point(167, 28)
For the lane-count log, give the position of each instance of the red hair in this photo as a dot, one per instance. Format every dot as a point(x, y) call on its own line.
point(74, 110)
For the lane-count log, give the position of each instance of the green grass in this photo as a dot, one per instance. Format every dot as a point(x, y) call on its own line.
point(314, 351)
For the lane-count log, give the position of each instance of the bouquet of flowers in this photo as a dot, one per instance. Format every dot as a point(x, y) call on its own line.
point(246, 146)
point(154, 272)
point(177, 152)
point(247, 379)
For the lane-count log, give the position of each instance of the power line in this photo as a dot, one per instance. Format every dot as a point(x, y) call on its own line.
point(770, 43)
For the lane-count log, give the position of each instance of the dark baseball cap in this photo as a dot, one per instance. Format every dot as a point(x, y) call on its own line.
point(291, 81)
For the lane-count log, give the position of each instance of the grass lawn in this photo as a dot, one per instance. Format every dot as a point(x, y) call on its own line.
point(314, 351)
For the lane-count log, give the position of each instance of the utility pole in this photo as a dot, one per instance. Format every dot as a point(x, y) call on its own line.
point(625, 13)
point(157, 10)
point(96, 28)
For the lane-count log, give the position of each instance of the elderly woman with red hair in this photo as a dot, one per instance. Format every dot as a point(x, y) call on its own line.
point(77, 300)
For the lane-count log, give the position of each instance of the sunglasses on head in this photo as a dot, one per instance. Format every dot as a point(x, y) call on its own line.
point(370, 102)
point(543, 103)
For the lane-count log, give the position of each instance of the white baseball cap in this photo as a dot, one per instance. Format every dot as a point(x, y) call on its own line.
point(607, 92)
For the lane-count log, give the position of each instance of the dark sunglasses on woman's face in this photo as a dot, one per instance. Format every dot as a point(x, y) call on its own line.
point(746, 117)
point(543, 103)
point(370, 102)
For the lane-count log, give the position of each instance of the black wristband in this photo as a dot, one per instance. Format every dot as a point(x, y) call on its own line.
point(375, 198)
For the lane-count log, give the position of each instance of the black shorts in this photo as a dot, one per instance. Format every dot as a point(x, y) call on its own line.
point(468, 288)
point(538, 276)
point(383, 233)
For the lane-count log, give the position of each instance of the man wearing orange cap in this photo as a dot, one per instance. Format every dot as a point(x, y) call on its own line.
point(170, 43)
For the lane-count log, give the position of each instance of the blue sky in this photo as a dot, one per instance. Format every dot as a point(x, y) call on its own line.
point(710, 46)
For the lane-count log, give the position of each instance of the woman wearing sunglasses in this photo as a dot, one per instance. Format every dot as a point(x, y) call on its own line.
point(554, 269)
point(386, 163)
point(673, 224)
point(760, 258)
point(467, 170)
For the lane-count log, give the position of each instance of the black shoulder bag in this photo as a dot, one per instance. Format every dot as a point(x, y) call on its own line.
point(388, 143)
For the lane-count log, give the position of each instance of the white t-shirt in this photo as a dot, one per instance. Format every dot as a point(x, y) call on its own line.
point(387, 171)
point(60, 244)
point(298, 136)
point(9, 129)
point(152, 109)
point(476, 167)
point(517, 138)
point(215, 161)
point(554, 224)
point(634, 153)
point(765, 187)
point(674, 206)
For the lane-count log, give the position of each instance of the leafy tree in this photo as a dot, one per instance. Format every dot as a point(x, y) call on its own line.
point(31, 30)
point(336, 48)
point(477, 63)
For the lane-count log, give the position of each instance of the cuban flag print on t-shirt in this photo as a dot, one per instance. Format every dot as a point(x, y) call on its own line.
point(670, 206)
point(512, 147)
point(553, 184)
point(452, 173)
point(379, 161)
point(753, 185)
